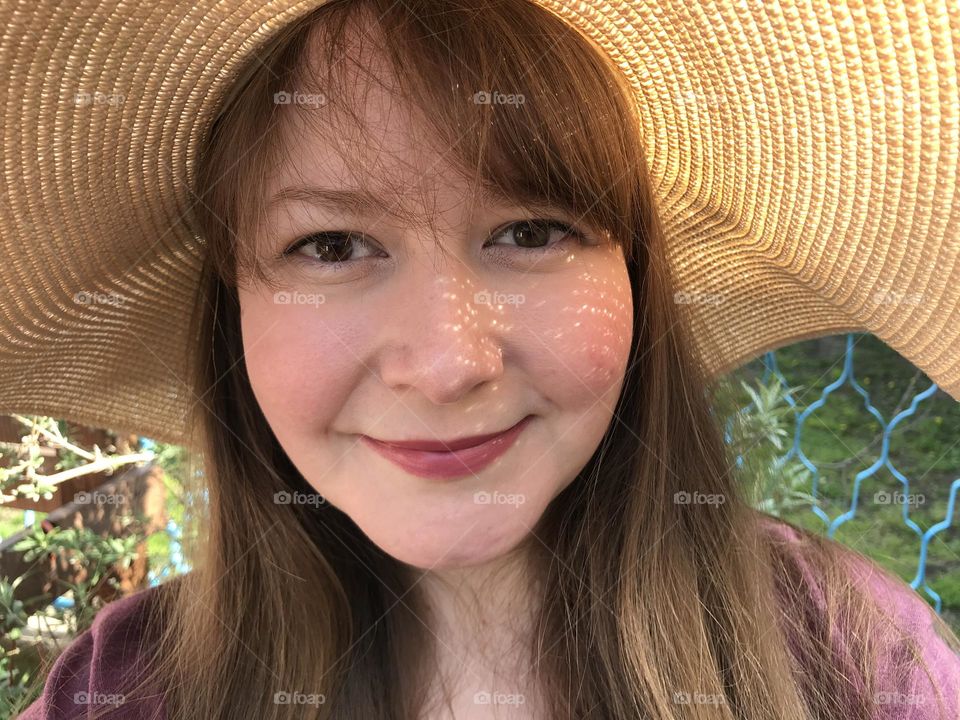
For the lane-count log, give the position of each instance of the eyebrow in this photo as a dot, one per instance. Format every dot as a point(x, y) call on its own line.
point(360, 201)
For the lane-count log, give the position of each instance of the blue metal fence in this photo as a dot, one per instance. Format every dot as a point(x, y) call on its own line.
point(848, 377)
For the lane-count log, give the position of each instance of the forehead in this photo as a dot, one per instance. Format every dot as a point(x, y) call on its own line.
point(362, 134)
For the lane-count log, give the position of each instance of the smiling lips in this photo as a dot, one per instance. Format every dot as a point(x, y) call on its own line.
point(439, 460)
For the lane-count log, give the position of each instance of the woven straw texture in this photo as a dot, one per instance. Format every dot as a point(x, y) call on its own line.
point(804, 155)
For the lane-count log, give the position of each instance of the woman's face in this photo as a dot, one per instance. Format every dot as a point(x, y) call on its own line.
point(452, 321)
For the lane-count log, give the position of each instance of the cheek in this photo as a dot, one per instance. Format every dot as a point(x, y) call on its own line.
point(584, 342)
point(298, 360)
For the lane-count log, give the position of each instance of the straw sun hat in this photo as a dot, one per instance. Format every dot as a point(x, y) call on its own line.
point(804, 155)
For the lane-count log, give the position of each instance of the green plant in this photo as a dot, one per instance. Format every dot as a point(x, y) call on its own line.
point(14, 615)
point(784, 489)
point(84, 549)
point(25, 458)
point(95, 561)
point(759, 433)
point(14, 677)
point(98, 557)
point(23, 461)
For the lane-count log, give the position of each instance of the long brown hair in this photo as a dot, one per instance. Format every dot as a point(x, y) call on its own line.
point(642, 599)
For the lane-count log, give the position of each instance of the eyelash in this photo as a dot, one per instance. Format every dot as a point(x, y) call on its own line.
point(552, 224)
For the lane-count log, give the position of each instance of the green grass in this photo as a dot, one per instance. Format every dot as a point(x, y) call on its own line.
point(842, 438)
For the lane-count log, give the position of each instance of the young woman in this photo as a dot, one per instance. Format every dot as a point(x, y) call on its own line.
point(456, 433)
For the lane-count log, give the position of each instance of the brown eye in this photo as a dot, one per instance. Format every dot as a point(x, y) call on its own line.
point(329, 248)
point(343, 251)
point(532, 233)
point(535, 234)
point(334, 248)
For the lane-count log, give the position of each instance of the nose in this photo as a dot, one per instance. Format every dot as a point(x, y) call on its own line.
point(440, 337)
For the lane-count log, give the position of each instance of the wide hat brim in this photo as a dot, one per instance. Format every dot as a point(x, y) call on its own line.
point(805, 159)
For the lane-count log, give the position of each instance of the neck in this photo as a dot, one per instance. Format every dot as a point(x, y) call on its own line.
point(482, 618)
point(479, 598)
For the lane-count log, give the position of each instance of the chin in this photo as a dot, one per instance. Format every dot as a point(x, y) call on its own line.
point(458, 545)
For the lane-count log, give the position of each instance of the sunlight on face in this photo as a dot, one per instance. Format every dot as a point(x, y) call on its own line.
point(453, 319)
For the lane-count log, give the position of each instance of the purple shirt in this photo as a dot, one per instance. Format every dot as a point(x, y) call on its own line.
point(94, 663)
point(91, 668)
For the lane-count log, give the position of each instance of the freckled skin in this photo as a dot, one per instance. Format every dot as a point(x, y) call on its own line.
point(405, 351)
